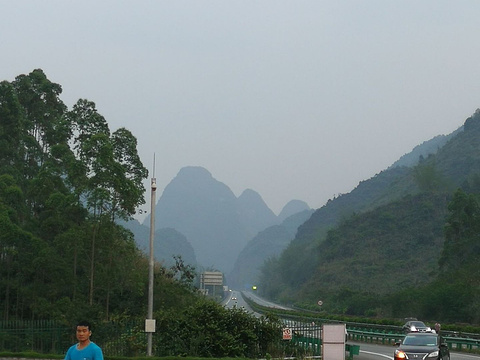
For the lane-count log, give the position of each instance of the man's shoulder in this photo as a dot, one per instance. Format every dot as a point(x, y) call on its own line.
point(97, 350)
point(93, 345)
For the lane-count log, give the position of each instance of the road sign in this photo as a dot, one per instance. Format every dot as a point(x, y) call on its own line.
point(287, 334)
point(150, 325)
point(212, 278)
point(320, 302)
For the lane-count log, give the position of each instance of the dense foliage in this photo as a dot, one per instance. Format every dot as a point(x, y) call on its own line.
point(207, 329)
point(66, 183)
point(404, 243)
point(64, 180)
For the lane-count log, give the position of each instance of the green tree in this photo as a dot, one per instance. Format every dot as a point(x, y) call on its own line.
point(112, 184)
point(10, 232)
point(428, 178)
point(128, 189)
point(121, 276)
point(11, 115)
point(42, 125)
point(462, 232)
point(207, 329)
point(184, 273)
point(64, 181)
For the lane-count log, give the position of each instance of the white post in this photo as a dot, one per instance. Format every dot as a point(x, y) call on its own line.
point(150, 323)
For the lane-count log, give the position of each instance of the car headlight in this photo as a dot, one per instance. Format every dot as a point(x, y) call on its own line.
point(399, 354)
point(433, 354)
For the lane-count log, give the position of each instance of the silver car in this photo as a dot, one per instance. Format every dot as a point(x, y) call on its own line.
point(415, 326)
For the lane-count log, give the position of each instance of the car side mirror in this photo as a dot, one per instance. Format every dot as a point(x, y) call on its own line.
point(397, 343)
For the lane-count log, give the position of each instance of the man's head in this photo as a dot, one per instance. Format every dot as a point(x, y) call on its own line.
point(85, 323)
point(84, 331)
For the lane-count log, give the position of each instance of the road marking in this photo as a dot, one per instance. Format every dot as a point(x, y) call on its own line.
point(467, 355)
point(374, 353)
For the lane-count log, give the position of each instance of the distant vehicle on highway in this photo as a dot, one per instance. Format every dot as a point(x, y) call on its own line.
point(234, 298)
point(420, 346)
point(415, 326)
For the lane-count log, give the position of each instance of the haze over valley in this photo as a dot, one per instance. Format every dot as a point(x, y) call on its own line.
point(238, 235)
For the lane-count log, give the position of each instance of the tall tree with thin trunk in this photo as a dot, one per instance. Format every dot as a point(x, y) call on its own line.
point(114, 172)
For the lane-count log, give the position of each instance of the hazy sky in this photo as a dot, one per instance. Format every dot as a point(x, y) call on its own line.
point(293, 99)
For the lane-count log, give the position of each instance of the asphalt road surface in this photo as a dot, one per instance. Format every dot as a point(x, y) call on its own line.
point(381, 352)
point(235, 300)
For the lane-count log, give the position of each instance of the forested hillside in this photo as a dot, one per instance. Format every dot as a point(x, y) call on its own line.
point(65, 179)
point(382, 249)
point(378, 251)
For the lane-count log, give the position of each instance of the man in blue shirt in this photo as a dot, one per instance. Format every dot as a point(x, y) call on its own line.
point(84, 349)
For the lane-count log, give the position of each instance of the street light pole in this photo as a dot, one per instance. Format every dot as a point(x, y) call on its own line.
point(150, 323)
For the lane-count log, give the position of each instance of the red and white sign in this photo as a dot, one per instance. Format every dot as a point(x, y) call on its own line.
point(287, 334)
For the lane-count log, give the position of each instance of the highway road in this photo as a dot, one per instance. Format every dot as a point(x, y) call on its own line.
point(235, 300)
point(380, 352)
point(264, 302)
point(368, 351)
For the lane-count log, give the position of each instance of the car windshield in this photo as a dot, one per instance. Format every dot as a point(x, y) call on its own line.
point(417, 324)
point(420, 340)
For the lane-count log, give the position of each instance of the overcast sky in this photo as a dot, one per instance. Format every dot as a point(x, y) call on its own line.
point(293, 99)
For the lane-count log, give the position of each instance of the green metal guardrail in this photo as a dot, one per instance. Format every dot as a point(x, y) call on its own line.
point(352, 350)
point(307, 335)
point(369, 336)
point(314, 346)
point(385, 334)
point(310, 344)
point(458, 343)
point(386, 338)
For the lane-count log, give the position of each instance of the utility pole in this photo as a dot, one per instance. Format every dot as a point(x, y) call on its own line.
point(150, 322)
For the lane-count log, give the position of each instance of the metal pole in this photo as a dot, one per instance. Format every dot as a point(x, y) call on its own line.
point(151, 265)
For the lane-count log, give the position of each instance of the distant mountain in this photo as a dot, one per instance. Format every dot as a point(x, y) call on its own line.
point(167, 243)
point(265, 245)
point(212, 218)
point(255, 213)
point(291, 208)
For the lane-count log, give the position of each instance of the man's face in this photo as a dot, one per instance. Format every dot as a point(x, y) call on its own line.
point(83, 333)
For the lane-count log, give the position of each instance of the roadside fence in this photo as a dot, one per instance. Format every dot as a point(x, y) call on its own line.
point(55, 337)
